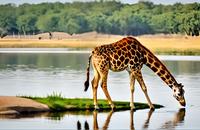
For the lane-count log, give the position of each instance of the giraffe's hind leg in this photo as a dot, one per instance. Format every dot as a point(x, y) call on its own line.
point(132, 88)
point(144, 88)
point(103, 75)
point(95, 83)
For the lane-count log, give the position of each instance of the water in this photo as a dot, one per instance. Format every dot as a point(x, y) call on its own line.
point(41, 74)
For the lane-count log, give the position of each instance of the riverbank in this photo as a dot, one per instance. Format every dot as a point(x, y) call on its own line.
point(19, 105)
point(159, 44)
point(16, 105)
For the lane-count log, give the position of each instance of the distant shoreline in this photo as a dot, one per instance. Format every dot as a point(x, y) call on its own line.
point(159, 44)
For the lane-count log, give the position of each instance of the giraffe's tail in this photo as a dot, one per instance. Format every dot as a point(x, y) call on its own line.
point(86, 84)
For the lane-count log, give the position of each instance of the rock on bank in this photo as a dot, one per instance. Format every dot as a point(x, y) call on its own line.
point(18, 105)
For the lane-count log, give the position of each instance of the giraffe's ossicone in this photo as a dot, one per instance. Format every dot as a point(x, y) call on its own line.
point(128, 54)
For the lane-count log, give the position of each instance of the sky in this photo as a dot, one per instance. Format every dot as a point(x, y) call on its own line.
point(17, 2)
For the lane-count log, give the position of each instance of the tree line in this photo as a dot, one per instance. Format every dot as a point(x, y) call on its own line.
point(111, 17)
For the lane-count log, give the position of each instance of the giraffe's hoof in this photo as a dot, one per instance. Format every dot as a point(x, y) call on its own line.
point(152, 108)
point(112, 106)
point(96, 107)
point(133, 108)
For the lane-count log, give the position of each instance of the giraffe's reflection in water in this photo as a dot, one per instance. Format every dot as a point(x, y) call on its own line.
point(171, 124)
point(146, 123)
point(178, 118)
point(95, 122)
point(86, 125)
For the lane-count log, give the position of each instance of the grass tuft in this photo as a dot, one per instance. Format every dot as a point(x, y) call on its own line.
point(55, 96)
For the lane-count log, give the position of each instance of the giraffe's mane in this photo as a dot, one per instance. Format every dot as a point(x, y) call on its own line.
point(156, 59)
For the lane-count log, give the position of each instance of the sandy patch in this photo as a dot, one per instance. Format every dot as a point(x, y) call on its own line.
point(17, 105)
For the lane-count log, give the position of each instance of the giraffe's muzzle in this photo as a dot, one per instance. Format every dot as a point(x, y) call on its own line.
point(182, 102)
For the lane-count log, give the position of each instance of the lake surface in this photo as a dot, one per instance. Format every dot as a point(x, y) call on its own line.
point(41, 74)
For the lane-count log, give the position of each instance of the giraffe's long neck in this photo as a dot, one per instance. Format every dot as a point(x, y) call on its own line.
point(158, 67)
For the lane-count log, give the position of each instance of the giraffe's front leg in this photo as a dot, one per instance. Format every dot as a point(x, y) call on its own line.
point(144, 89)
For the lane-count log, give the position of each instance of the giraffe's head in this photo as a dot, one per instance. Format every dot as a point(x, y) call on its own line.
point(178, 93)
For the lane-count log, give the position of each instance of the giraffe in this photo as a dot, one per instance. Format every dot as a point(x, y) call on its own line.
point(130, 55)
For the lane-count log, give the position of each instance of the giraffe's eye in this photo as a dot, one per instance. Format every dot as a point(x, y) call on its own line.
point(174, 90)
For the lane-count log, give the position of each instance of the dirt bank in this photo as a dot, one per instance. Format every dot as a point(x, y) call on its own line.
point(17, 105)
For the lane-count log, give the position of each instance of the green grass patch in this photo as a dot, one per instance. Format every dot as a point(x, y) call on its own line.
point(57, 103)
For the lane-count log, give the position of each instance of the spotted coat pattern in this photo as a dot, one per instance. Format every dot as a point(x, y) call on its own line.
point(120, 55)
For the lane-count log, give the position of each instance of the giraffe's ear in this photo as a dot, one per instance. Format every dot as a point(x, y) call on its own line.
point(181, 85)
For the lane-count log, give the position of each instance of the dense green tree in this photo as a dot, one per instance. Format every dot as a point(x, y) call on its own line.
point(165, 23)
point(8, 18)
point(3, 33)
point(72, 26)
point(73, 21)
point(98, 22)
point(27, 23)
point(48, 23)
point(102, 16)
point(190, 23)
